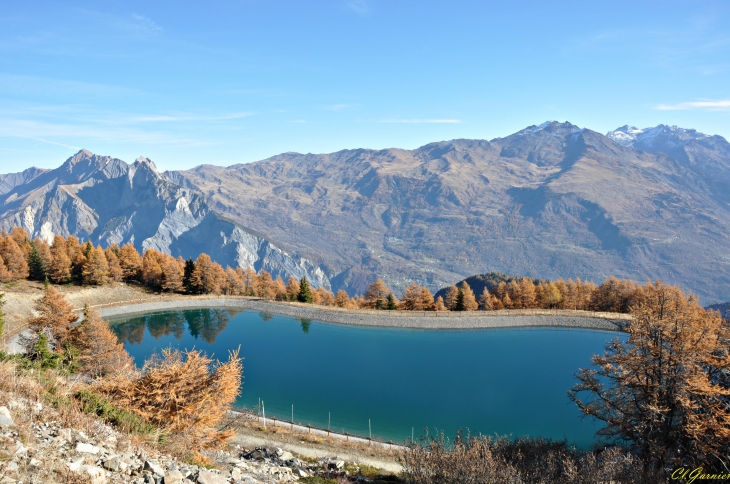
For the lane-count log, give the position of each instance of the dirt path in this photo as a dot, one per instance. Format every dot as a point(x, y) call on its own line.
point(250, 435)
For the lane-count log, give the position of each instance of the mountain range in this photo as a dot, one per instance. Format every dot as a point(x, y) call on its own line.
point(552, 200)
point(105, 200)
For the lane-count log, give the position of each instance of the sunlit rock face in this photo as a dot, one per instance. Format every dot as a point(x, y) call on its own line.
point(105, 200)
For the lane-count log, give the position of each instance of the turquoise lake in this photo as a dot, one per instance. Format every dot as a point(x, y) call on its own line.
point(499, 381)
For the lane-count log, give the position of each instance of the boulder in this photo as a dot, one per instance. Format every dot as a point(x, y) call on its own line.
point(207, 477)
point(154, 467)
point(112, 463)
point(255, 455)
point(285, 456)
point(75, 464)
point(236, 473)
point(87, 448)
point(96, 474)
point(5, 419)
point(174, 477)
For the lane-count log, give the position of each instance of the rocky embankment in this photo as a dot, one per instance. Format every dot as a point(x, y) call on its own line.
point(49, 452)
point(390, 319)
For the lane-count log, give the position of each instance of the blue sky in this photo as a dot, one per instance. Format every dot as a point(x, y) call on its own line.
point(187, 83)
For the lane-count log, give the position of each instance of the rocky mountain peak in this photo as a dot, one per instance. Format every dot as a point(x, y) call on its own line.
point(82, 165)
point(144, 168)
point(552, 127)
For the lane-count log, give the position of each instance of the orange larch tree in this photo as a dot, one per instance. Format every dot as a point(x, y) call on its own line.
point(470, 301)
point(130, 262)
point(96, 269)
point(55, 313)
point(14, 257)
point(100, 352)
point(59, 271)
point(664, 391)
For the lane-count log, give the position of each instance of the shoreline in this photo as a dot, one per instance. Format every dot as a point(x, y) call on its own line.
point(426, 320)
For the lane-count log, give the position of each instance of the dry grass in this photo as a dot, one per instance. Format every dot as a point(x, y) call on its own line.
point(37, 396)
point(537, 461)
point(20, 297)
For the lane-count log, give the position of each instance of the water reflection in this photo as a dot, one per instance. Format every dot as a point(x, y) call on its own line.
point(204, 323)
point(305, 325)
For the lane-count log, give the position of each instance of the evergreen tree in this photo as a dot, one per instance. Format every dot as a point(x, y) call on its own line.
point(391, 302)
point(88, 248)
point(188, 277)
point(41, 352)
point(36, 264)
point(305, 292)
point(459, 305)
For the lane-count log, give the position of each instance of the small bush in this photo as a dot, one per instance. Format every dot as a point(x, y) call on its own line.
point(317, 480)
point(123, 419)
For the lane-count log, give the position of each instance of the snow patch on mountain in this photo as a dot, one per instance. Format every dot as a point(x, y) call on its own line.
point(667, 136)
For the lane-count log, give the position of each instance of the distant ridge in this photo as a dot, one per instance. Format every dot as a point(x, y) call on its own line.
point(552, 200)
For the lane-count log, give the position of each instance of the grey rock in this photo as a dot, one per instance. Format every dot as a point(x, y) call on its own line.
point(87, 448)
point(5, 419)
point(112, 464)
point(154, 467)
point(95, 474)
point(256, 454)
point(174, 477)
point(285, 456)
point(207, 477)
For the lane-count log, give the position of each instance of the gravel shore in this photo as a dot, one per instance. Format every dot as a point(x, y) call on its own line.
point(387, 319)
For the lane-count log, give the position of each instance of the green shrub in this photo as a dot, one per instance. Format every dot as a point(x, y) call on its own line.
point(123, 419)
point(316, 480)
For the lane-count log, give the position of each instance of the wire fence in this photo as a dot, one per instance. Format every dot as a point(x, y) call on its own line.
point(321, 431)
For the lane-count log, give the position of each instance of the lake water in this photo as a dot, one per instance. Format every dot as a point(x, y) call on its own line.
point(500, 381)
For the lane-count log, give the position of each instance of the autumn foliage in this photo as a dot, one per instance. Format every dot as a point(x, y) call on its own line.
point(182, 392)
point(68, 260)
point(665, 391)
point(100, 352)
